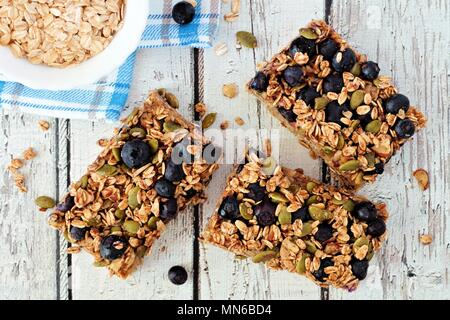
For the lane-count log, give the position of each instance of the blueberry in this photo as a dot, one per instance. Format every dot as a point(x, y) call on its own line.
point(293, 75)
point(177, 275)
point(379, 169)
point(365, 211)
point(404, 128)
point(67, 204)
point(168, 210)
point(324, 233)
point(370, 70)
point(77, 234)
point(376, 227)
point(211, 153)
point(328, 49)
point(229, 209)
point(190, 193)
point(364, 119)
point(135, 153)
point(173, 172)
point(302, 45)
point(359, 268)
point(333, 83)
point(265, 213)
point(395, 103)
point(259, 82)
point(164, 188)
point(320, 273)
point(288, 114)
point(239, 168)
point(301, 214)
point(256, 192)
point(308, 94)
point(113, 247)
point(334, 112)
point(183, 12)
point(343, 60)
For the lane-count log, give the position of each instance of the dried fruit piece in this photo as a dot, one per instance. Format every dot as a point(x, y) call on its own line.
point(422, 178)
point(209, 120)
point(230, 90)
point(246, 39)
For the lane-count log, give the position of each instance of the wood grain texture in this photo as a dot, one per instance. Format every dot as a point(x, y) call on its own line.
point(172, 69)
point(410, 41)
point(274, 23)
point(29, 253)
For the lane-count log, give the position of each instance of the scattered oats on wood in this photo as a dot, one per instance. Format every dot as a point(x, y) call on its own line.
point(235, 9)
point(422, 178)
point(239, 121)
point(73, 250)
point(230, 90)
point(19, 180)
point(426, 239)
point(15, 164)
point(220, 49)
point(29, 154)
point(224, 125)
point(44, 125)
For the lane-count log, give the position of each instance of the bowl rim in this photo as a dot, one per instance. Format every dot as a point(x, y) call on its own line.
point(123, 44)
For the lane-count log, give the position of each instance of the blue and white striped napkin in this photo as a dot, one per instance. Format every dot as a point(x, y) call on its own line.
point(106, 99)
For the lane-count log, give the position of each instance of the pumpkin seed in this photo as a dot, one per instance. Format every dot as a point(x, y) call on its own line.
point(373, 126)
point(170, 126)
point(84, 181)
point(319, 214)
point(94, 222)
point(116, 229)
point(370, 157)
point(356, 69)
point(359, 179)
point(123, 136)
point(246, 39)
point(310, 186)
point(137, 132)
point(116, 154)
point(152, 223)
point(370, 252)
point(264, 256)
point(131, 226)
point(349, 205)
point(349, 165)
point(45, 202)
point(284, 217)
point(268, 166)
point(300, 265)
point(306, 229)
point(155, 159)
point(153, 143)
point(141, 251)
point(320, 103)
point(132, 197)
point(119, 214)
point(308, 34)
point(328, 150)
point(66, 236)
point(107, 170)
point(277, 197)
point(356, 99)
point(338, 202)
point(310, 247)
point(243, 209)
point(162, 91)
point(312, 199)
point(362, 241)
point(172, 100)
point(106, 204)
point(354, 124)
point(341, 142)
point(209, 120)
point(101, 263)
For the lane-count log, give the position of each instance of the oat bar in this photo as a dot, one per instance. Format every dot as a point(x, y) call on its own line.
point(154, 166)
point(336, 103)
point(292, 222)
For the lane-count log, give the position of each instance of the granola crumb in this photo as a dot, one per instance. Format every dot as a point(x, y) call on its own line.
point(220, 49)
point(224, 125)
point(19, 181)
point(230, 90)
point(102, 142)
point(15, 164)
point(29, 154)
point(234, 14)
point(44, 125)
point(426, 239)
point(239, 121)
point(201, 108)
point(422, 178)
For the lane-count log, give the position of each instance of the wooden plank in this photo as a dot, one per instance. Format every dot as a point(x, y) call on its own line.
point(410, 40)
point(170, 68)
point(29, 249)
point(274, 23)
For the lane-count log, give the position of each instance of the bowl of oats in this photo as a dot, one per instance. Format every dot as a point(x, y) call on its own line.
point(63, 44)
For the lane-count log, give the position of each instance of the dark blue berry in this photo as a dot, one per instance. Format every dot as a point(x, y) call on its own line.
point(288, 114)
point(302, 45)
point(364, 119)
point(293, 75)
point(343, 60)
point(320, 274)
point(173, 172)
point(334, 112)
point(324, 232)
point(190, 193)
point(328, 49)
point(164, 188)
point(255, 192)
point(113, 247)
point(370, 70)
point(395, 103)
point(301, 214)
point(265, 213)
point(168, 210)
point(183, 12)
point(77, 234)
point(229, 209)
point(376, 227)
point(308, 94)
point(67, 204)
point(359, 268)
point(259, 82)
point(177, 275)
point(404, 128)
point(136, 153)
point(333, 83)
point(365, 211)
point(379, 169)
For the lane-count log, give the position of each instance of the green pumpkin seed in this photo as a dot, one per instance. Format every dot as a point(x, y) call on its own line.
point(284, 217)
point(246, 39)
point(320, 103)
point(328, 150)
point(310, 247)
point(155, 159)
point(84, 181)
point(116, 154)
point(264, 256)
point(341, 142)
point(133, 197)
point(338, 202)
point(268, 166)
point(370, 252)
point(370, 157)
point(319, 214)
point(362, 241)
point(172, 100)
point(94, 222)
point(306, 229)
point(357, 99)
point(107, 204)
point(377, 82)
point(310, 186)
point(359, 179)
point(141, 251)
point(373, 126)
point(45, 202)
point(308, 34)
point(300, 265)
point(101, 263)
point(153, 143)
point(277, 197)
point(116, 229)
point(209, 120)
point(313, 199)
point(243, 209)
point(137, 132)
point(356, 69)
point(123, 136)
point(354, 124)
point(119, 214)
point(170, 126)
point(349, 205)
point(162, 91)
point(107, 170)
point(349, 165)
point(66, 236)
point(152, 223)
point(131, 226)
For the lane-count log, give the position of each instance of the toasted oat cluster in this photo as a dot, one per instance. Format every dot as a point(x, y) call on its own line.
point(289, 221)
point(59, 33)
point(336, 103)
point(153, 167)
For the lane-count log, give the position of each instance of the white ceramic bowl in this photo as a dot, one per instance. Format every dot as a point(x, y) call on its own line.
point(44, 77)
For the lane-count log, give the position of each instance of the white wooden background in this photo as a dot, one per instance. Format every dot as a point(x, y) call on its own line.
point(410, 40)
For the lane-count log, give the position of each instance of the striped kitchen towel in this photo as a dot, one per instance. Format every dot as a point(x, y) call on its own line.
point(107, 98)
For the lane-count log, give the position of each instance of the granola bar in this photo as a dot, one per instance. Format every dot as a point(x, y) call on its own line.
point(292, 222)
point(154, 166)
point(336, 103)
